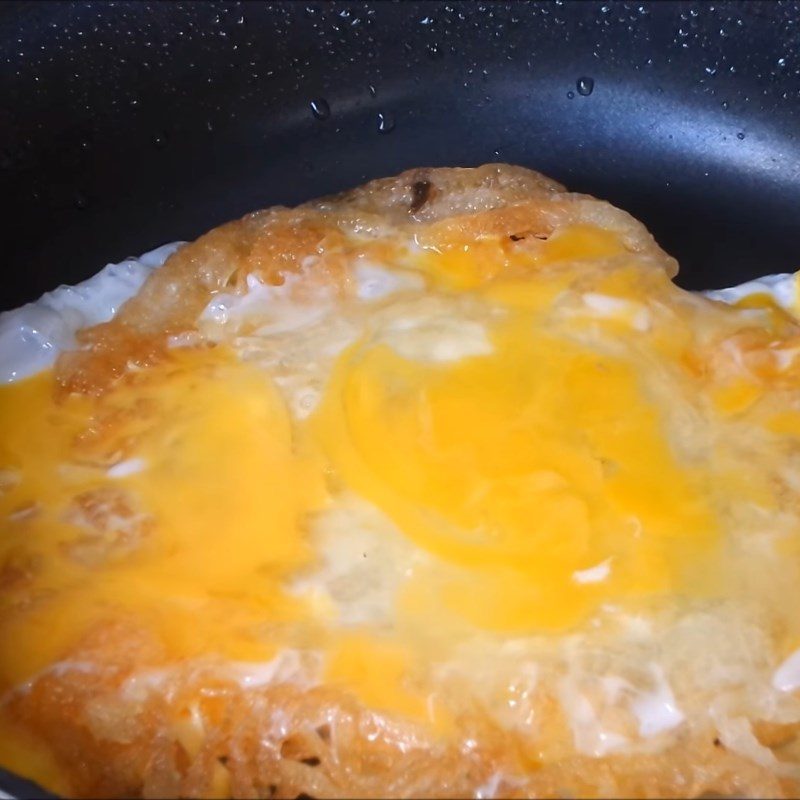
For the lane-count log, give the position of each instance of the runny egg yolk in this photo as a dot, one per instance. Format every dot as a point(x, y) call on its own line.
point(191, 541)
point(520, 468)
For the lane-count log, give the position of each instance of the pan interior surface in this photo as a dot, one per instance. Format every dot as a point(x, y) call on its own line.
point(129, 126)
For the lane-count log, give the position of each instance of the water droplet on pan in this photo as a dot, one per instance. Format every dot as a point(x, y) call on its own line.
point(320, 108)
point(585, 86)
point(434, 51)
point(385, 122)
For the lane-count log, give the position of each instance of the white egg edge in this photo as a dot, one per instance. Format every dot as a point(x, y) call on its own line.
point(32, 336)
point(782, 287)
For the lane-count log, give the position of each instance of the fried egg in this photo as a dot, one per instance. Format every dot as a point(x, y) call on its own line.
point(347, 501)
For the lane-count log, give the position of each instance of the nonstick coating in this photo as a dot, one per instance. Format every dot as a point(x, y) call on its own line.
point(127, 125)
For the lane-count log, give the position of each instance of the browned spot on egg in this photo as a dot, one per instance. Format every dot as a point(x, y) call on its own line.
point(775, 734)
point(420, 192)
point(111, 526)
point(18, 569)
point(324, 733)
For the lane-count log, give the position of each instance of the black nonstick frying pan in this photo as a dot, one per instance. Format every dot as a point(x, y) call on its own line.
point(127, 125)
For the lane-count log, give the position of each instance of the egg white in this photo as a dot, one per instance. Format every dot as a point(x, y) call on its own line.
point(32, 336)
point(782, 287)
point(298, 342)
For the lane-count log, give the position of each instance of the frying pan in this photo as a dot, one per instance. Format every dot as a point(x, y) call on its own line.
point(127, 125)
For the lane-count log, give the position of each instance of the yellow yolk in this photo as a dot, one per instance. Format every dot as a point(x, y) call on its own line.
point(468, 266)
point(776, 310)
point(519, 469)
point(381, 674)
point(785, 423)
point(203, 531)
point(759, 300)
point(23, 754)
point(736, 396)
point(378, 670)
